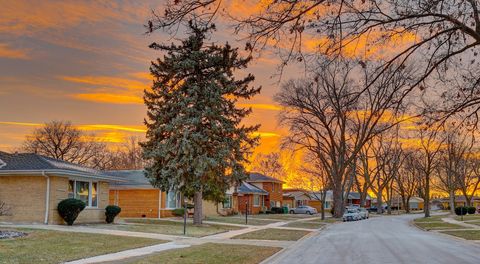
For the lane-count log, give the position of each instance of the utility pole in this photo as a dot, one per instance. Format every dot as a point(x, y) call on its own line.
point(246, 212)
point(185, 215)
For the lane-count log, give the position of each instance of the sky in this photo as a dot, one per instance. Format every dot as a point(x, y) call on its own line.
point(87, 62)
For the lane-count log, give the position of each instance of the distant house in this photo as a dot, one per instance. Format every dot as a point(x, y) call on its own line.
point(31, 186)
point(296, 197)
point(415, 203)
point(460, 200)
point(274, 188)
point(138, 198)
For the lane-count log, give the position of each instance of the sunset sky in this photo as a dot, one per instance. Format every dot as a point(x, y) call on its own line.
point(87, 62)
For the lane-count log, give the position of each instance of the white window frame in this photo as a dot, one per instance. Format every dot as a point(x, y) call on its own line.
point(229, 197)
point(258, 204)
point(177, 200)
point(90, 188)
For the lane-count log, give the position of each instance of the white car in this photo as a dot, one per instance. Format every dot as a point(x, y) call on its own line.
point(351, 215)
point(303, 209)
point(363, 213)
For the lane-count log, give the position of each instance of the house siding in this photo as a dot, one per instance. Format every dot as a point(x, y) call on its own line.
point(31, 207)
point(275, 193)
point(136, 203)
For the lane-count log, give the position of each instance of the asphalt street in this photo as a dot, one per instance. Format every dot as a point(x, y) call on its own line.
point(386, 239)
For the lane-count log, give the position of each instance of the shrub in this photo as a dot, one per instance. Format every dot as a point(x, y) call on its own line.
point(110, 212)
point(178, 212)
point(268, 212)
point(277, 210)
point(69, 209)
point(471, 210)
point(332, 211)
point(461, 210)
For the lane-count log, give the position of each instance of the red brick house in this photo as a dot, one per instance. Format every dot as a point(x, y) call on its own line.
point(251, 197)
point(272, 186)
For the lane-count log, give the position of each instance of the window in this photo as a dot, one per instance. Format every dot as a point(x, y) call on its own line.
point(272, 204)
point(327, 205)
point(172, 199)
point(227, 203)
point(84, 191)
point(256, 200)
point(273, 187)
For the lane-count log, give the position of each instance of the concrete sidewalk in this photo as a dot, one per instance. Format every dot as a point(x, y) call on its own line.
point(129, 253)
point(460, 223)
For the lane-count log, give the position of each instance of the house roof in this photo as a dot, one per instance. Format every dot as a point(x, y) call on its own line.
point(247, 188)
point(258, 177)
point(130, 179)
point(34, 164)
point(297, 195)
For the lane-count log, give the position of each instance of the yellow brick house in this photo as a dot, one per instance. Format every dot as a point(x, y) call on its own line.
point(31, 186)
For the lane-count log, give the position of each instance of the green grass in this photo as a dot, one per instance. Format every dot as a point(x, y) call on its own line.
point(273, 234)
point(240, 220)
point(474, 222)
point(438, 226)
point(465, 234)
point(435, 218)
point(211, 254)
point(468, 217)
point(44, 246)
point(282, 216)
point(306, 224)
point(167, 227)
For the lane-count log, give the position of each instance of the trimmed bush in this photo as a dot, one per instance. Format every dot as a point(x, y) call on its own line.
point(471, 210)
point(178, 212)
point(461, 210)
point(110, 212)
point(69, 209)
point(277, 210)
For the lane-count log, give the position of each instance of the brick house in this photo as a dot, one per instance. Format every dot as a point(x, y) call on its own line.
point(251, 197)
point(272, 186)
point(31, 186)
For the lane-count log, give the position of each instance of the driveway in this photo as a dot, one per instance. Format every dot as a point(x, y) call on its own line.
point(386, 239)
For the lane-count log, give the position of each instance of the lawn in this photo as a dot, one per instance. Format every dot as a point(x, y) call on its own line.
point(168, 227)
point(437, 225)
point(468, 217)
point(212, 254)
point(241, 220)
point(435, 218)
point(306, 224)
point(44, 246)
point(273, 234)
point(466, 234)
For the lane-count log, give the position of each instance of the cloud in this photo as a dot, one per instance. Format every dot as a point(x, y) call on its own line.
point(109, 98)
point(7, 52)
point(261, 106)
point(110, 81)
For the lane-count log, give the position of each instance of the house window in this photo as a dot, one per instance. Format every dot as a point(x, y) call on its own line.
point(227, 203)
point(172, 199)
point(272, 204)
point(327, 205)
point(84, 191)
point(273, 187)
point(256, 200)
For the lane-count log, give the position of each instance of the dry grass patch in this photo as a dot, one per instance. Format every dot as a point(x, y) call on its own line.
point(212, 254)
point(273, 234)
point(468, 217)
point(45, 246)
point(252, 220)
point(168, 227)
point(437, 225)
point(311, 224)
point(465, 234)
point(435, 218)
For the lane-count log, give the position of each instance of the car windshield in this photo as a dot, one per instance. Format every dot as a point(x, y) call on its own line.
point(351, 211)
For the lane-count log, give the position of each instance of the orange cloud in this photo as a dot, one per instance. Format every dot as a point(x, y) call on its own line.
point(109, 98)
point(261, 106)
point(108, 81)
point(11, 53)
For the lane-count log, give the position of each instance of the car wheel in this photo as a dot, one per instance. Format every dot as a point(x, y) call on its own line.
point(292, 212)
point(308, 212)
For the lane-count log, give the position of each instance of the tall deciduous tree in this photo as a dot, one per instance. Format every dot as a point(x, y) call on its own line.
point(269, 164)
point(196, 143)
point(62, 140)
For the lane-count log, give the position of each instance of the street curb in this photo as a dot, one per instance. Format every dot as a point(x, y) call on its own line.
point(472, 242)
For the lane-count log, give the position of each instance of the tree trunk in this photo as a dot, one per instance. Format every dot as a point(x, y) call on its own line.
point(426, 204)
point(322, 211)
point(379, 202)
point(338, 202)
point(451, 201)
point(197, 214)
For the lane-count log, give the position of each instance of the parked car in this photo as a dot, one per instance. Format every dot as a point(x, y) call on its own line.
point(351, 214)
point(363, 213)
point(303, 209)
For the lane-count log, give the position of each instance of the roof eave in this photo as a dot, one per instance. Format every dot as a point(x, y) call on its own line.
point(59, 173)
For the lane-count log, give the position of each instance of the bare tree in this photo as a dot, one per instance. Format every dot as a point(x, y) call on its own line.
point(317, 180)
point(468, 179)
point(4, 209)
point(128, 156)
point(406, 181)
point(269, 164)
point(334, 114)
point(61, 140)
point(367, 172)
point(428, 159)
point(452, 164)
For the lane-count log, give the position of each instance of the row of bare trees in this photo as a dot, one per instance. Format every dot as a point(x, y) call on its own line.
point(64, 141)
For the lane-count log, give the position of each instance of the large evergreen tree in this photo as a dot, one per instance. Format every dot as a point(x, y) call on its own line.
point(196, 143)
